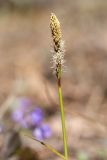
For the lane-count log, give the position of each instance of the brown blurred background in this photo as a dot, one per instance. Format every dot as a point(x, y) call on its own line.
point(25, 69)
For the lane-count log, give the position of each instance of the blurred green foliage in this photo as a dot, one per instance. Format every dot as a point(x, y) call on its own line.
point(82, 155)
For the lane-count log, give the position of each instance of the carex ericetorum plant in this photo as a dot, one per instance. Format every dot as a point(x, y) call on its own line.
point(57, 65)
point(58, 62)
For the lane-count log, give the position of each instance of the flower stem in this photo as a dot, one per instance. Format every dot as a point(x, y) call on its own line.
point(63, 120)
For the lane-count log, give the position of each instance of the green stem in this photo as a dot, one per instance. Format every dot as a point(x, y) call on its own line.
point(63, 121)
point(48, 147)
point(56, 152)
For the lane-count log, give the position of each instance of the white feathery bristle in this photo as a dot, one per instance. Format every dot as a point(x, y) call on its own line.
point(58, 58)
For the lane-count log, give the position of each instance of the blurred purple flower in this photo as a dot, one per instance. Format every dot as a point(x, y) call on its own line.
point(17, 115)
point(37, 133)
point(42, 132)
point(31, 120)
point(36, 116)
point(46, 131)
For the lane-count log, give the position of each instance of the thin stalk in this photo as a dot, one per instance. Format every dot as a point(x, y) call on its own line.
point(48, 147)
point(55, 151)
point(63, 120)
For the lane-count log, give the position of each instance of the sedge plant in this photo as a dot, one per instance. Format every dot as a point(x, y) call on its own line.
point(57, 65)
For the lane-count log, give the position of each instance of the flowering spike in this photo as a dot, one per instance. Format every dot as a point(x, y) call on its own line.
point(58, 56)
point(56, 31)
